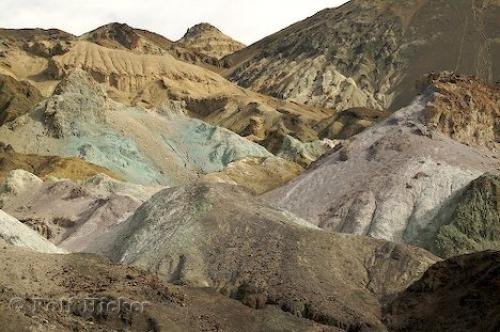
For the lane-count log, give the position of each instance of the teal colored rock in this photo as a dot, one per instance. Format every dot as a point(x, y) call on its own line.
point(475, 223)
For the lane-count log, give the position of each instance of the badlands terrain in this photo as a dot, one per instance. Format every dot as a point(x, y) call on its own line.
point(342, 174)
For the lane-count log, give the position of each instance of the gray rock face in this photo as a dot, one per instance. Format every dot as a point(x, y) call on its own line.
point(393, 181)
point(390, 45)
point(15, 233)
point(219, 236)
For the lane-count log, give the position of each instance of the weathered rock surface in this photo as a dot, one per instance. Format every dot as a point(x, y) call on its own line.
point(104, 297)
point(257, 174)
point(474, 224)
point(13, 232)
point(16, 98)
point(390, 44)
point(140, 68)
point(68, 214)
point(219, 236)
point(207, 39)
point(395, 181)
point(143, 146)
point(465, 109)
point(459, 294)
point(121, 36)
point(74, 169)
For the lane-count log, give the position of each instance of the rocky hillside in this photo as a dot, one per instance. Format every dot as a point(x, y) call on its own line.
point(134, 68)
point(121, 36)
point(399, 180)
point(370, 53)
point(454, 295)
point(219, 236)
point(146, 147)
point(207, 39)
point(66, 213)
point(136, 300)
point(474, 224)
point(48, 166)
point(16, 98)
point(313, 181)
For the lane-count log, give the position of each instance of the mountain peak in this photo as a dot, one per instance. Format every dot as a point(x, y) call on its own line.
point(201, 28)
point(206, 39)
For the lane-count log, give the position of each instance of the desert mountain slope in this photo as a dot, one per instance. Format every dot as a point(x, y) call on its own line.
point(219, 236)
point(474, 224)
point(152, 80)
point(459, 294)
point(398, 180)
point(134, 75)
point(48, 166)
point(207, 39)
point(121, 36)
point(16, 98)
point(143, 146)
point(13, 232)
point(70, 214)
point(104, 297)
point(370, 53)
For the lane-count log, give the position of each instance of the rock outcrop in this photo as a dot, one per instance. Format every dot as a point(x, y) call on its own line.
point(219, 236)
point(16, 98)
point(207, 39)
point(13, 232)
point(459, 294)
point(474, 224)
point(464, 108)
point(121, 36)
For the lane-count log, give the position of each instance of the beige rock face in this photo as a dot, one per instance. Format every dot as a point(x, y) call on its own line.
point(370, 53)
point(207, 39)
point(219, 236)
point(257, 174)
point(465, 109)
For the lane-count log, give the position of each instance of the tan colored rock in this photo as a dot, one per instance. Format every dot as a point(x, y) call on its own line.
point(257, 174)
point(207, 39)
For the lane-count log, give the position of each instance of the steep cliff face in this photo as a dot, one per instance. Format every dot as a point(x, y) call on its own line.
point(207, 39)
point(465, 109)
point(370, 53)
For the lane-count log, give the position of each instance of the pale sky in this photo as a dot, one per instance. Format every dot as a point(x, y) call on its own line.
point(244, 20)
